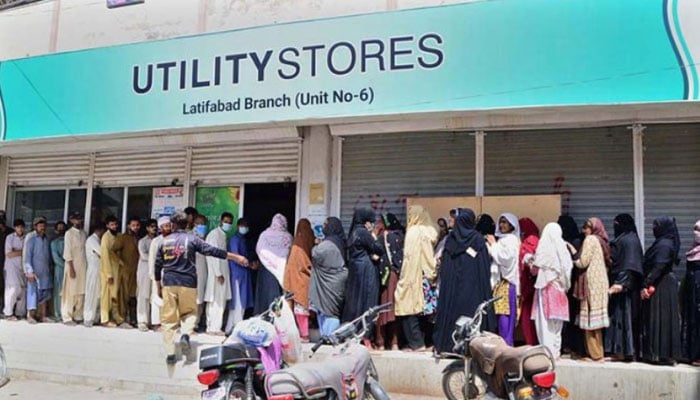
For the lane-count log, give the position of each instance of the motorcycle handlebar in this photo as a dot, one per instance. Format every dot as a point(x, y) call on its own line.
point(343, 332)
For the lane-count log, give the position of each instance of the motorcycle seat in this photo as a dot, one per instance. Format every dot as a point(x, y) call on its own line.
point(508, 362)
point(312, 377)
point(315, 377)
point(485, 349)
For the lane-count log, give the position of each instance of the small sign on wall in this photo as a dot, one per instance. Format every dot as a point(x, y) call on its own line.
point(120, 3)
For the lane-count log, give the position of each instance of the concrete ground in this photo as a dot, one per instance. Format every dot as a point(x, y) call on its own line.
point(22, 389)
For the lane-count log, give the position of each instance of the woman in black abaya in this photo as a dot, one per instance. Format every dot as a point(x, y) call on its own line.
point(661, 336)
point(362, 290)
point(621, 338)
point(464, 279)
point(572, 337)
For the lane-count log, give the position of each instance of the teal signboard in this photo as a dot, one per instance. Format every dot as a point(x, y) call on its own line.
point(480, 55)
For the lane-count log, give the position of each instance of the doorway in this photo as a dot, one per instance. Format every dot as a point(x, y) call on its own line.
point(263, 200)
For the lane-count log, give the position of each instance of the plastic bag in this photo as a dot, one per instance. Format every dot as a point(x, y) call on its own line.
point(253, 332)
point(289, 335)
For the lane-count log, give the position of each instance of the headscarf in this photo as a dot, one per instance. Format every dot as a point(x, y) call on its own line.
point(665, 230)
point(464, 235)
point(694, 253)
point(334, 233)
point(304, 237)
point(553, 258)
point(273, 247)
point(528, 228)
point(627, 253)
point(392, 223)
point(598, 230)
point(361, 217)
point(513, 221)
point(624, 223)
point(417, 215)
point(570, 231)
point(485, 225)
point(298, 269)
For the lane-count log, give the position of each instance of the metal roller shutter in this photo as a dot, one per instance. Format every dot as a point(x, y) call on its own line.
point(49, 170)
point(246, 163)
point(591, 168)
point(132, 169)
point(380, 171)
point(672, 178)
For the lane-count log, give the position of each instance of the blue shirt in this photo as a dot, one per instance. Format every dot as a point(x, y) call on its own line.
point(38, 260)
point(241, 281)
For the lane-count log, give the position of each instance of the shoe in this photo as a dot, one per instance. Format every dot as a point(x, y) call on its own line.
point(143, 328)
point(69, 323)
point(87, 324)
point(126, 325)
point(110, 324)
point(185, 345)
point(170, 359)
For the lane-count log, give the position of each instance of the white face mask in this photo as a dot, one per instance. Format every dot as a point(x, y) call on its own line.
point(226, 227)
point(243, 230)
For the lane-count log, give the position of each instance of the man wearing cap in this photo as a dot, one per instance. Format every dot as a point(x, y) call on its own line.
point(92, 279)
point(73, 295)
point(38, 272)
point(176, 275)
point(110, 267)
point(143, 280)
point(165, 227)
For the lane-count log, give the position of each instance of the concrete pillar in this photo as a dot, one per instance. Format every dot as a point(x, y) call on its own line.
point(479, 160)
point(316, 174)
point(4, 170)
point(638, 163)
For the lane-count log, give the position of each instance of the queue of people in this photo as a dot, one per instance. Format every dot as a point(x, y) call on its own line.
point(573, 291)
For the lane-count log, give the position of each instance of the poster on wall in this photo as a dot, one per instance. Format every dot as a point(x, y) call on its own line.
point(167, 200)
point(317, 208)
point(213, 201)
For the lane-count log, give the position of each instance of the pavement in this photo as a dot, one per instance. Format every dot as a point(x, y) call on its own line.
point(20, 389)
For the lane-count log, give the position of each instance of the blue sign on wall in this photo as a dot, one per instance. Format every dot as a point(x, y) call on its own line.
point(471, 56)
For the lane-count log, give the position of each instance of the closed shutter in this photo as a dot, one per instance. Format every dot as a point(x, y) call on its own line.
point(592, 169)
point(380, 171)
point(672, 178)
point(246, 163)
point(49, 170)
point(129, 168)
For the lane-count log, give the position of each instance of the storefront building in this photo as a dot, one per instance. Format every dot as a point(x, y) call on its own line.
point(315, 118)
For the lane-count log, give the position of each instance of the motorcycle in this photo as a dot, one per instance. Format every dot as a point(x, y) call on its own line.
point(348, 374)
point(485, 366)
point(236, 370)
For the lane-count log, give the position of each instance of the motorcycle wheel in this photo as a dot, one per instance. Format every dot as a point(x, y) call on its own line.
point(237, 391)
point(375, 391)
point(453, 382)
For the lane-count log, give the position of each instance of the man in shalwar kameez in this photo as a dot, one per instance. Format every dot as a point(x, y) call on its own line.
point(143, 280)
point(93, 289)
point(165, 227)
point(218, 290)
point(73, 296)
point(109, 277)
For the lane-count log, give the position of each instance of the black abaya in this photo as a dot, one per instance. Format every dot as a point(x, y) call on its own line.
point(362, 289)
point(464, 280)
point(691, 311)
point(661, 336)
point(622, 336)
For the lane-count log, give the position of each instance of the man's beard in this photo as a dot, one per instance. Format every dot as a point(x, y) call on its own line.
point(113, 232)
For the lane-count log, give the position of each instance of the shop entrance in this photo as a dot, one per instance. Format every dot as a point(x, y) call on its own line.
point(263, 200)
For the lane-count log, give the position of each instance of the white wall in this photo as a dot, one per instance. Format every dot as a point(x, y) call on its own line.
point(79, 24)
point(316, 168)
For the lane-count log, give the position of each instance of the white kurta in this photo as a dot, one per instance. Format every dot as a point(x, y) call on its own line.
point(156, 301)
point(93, 288)
point(217, 267)
point(74, 249)
point(143, 279)
point(216, 294)
point(505, 253)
